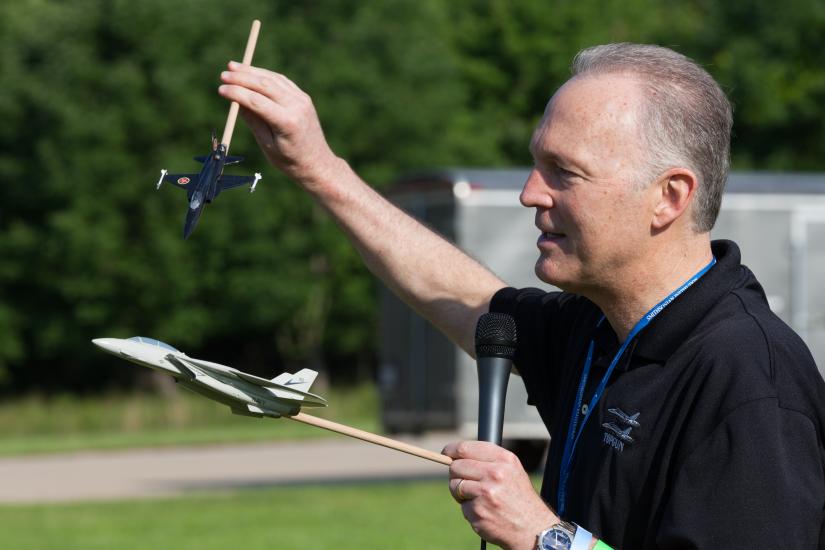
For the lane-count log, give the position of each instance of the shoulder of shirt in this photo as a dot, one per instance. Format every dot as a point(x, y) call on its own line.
point(510, 298)
point(750, 353)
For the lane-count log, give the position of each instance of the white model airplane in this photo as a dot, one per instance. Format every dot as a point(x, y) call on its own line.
point(246, 394)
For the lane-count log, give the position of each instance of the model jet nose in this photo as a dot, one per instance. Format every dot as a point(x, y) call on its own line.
point(108, 344)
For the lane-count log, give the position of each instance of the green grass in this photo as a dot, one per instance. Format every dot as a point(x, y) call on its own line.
point(36, 424)
point(341, 516)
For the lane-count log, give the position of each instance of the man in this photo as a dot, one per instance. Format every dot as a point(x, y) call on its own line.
point(683, 413)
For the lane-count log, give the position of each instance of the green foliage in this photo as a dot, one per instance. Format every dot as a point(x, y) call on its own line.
point(99, 94)
point(770, 61)
point(376, 515)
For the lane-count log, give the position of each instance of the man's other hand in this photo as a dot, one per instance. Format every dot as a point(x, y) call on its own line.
point(496, 495)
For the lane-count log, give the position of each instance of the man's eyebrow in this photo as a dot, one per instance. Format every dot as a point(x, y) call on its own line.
point(550, 155)
point(558, 159)
point(536, 151)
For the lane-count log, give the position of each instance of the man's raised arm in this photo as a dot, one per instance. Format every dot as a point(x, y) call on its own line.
point(434, 277)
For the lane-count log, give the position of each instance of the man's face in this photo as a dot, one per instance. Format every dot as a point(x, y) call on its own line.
point(593, 217)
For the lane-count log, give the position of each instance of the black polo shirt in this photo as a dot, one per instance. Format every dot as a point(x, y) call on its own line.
point(710, 432)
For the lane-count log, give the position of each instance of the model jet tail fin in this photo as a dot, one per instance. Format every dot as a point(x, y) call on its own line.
point(301, 380)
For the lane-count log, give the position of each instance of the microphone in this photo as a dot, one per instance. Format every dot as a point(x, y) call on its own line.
point(495, 345)
point(495, 348)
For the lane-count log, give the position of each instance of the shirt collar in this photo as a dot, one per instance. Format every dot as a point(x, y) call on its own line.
point(675, 323)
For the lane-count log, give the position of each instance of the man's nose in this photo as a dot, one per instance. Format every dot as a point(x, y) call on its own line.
point(536, 192)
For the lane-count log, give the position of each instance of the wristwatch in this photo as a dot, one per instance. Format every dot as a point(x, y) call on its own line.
point(557, 537)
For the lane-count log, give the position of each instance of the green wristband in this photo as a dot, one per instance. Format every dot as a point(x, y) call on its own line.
point(601, 546)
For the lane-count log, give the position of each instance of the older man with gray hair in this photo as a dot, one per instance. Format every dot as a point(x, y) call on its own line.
point(682, 412)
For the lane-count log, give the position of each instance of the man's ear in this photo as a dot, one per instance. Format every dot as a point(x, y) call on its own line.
point(675, 192)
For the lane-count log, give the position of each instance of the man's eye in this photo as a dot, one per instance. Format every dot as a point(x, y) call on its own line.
point(566, 174)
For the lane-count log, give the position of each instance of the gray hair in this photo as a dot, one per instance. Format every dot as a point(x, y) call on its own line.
point(686, 120)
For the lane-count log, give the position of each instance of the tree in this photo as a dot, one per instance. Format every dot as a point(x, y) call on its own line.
point(101, 94)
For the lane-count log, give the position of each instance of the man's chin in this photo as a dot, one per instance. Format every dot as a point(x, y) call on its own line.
point(551, 275)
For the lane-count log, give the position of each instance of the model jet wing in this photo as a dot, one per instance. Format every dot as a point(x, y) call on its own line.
point(211, 368)
point(183, 368)
point(306, 398)
point(184, 181)
point(229, 182)
point(309, 398)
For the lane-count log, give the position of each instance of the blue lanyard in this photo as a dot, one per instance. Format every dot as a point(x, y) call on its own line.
point(573, 435)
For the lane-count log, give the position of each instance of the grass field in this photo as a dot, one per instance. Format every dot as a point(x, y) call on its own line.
point(59, 424)
point(341, 516)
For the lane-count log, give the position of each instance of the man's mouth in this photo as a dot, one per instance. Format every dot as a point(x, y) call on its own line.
point(550, 236)
point(550, 240)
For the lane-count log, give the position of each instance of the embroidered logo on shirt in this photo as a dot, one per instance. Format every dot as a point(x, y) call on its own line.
point(625, 418)
point(615, 435)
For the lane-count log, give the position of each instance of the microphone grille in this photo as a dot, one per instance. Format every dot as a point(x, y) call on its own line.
point(496, 335)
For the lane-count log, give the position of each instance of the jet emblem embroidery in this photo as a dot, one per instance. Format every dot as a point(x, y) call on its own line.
point(183, 181)
point(615, 434)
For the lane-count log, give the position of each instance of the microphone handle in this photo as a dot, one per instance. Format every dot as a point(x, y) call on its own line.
point(493, 375)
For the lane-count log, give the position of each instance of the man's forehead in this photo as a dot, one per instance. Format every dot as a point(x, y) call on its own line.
point(594, 105)
point(589, 115)
point(613, 97)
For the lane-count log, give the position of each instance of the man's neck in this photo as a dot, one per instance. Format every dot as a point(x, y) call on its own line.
point(638, 291)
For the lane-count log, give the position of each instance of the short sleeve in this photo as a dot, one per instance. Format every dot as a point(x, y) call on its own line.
point(755, 482)
point(550, 327)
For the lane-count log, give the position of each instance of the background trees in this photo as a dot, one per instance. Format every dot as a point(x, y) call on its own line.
point(98, 95)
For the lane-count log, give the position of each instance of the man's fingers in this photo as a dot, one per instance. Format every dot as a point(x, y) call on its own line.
point(260, 130)
point(464, 489)
point(470, 469)
point(266, 86)
point(234, 66)
point(255, 102)
point(483, 451)
point(271, 84)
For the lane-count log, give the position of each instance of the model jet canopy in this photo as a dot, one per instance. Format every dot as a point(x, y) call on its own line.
point(152, 342)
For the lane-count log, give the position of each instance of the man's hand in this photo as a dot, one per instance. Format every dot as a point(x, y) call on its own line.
point(496, 495)
point(428, 272)
point(283, 120)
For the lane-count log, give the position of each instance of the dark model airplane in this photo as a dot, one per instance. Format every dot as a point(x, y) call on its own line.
point(202, 188)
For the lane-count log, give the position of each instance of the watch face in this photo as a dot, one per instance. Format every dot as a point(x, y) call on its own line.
point(555, 539)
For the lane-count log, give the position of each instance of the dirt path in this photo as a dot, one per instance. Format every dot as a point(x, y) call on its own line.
point(143, 473)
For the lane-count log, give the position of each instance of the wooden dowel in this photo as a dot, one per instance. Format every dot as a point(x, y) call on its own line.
point(372, 438)
point(234, 107)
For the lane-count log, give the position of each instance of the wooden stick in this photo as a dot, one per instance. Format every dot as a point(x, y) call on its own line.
point(372, 438)
point(234, 107)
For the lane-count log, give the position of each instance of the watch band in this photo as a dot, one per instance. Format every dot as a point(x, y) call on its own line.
point(582, 539)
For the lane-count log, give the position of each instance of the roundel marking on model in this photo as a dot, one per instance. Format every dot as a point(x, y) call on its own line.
point(183, 181)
